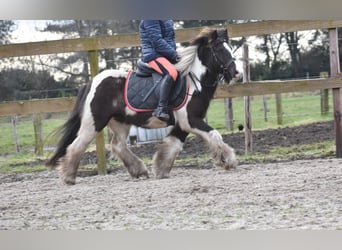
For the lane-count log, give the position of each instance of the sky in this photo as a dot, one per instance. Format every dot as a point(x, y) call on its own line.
point(28, 31)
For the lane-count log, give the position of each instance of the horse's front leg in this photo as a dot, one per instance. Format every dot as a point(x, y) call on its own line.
point(167, 152)
point(222, 154)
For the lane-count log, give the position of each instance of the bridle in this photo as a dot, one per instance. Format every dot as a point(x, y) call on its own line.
point(223, 67)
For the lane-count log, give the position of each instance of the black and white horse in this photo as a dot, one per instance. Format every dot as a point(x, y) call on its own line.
point(102, 103)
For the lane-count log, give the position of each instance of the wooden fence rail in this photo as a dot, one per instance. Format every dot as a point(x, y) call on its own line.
point(51, 105)
point(182, 35)
point(276, 87)
point(224, 91)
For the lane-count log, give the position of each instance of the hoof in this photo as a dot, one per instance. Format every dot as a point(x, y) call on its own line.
point(231, 165)
point(144, 175)
point(69, 181)
point(139, 172)
point(228, 163)
point(162, 175)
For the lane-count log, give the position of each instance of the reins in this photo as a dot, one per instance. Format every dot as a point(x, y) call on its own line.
point(194, 78)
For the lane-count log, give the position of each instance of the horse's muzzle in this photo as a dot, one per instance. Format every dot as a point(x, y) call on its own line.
point(238, 76)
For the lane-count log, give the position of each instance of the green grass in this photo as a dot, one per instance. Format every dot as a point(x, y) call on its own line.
point(316, 150)
point(25, 133)
point(21, 168)
point(19, 163)
point(298, 109)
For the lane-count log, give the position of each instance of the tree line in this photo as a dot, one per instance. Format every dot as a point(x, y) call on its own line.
point(284, 56)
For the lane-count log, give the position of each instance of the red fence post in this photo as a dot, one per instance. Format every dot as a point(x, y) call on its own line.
point(334, 71)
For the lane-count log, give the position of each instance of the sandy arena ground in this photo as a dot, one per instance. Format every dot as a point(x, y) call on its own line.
point(303, 194)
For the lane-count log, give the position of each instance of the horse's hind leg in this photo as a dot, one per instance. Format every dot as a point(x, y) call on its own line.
point(167, 152)
point(70, 162)
point(135, 166)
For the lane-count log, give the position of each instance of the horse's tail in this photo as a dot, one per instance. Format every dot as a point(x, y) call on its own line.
point(70, 128)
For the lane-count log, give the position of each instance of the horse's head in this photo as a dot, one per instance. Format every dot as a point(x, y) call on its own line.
point(216, 54)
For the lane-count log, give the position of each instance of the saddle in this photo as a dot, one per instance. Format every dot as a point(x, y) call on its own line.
point(142, 90)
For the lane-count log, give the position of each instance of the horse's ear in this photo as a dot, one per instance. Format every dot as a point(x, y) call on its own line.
point(225, 33)
point(214, 35)
point(219, 33)
point(222, 33)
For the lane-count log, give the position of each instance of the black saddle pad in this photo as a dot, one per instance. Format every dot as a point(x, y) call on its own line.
point(142, 93)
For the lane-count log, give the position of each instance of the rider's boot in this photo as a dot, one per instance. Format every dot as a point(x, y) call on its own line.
point(161, 112)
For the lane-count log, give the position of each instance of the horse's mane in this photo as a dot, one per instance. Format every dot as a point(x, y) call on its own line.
point(188, 54)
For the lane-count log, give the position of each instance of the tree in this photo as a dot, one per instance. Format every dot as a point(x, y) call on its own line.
point(292, 40)
point(89, 28)
point(6, 27)
point(316, 58)
point(274, 67)
point(20, 84)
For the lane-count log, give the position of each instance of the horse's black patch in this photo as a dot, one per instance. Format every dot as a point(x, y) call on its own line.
point(142, 93)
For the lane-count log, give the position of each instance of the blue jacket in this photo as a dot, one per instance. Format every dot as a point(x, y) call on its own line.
point(157, 40)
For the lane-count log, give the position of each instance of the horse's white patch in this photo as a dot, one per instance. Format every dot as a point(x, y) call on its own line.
point(181, 117)
point(215, 135)
point(239, 69)
point(198, 69)
point(107, 73)
point(226, 45)
point(238, 63)
point(130, 112)
point(114, 73)
point(176, 144)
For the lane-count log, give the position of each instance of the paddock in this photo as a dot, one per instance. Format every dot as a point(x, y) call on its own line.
point(298, 194)
point(303, 194)
point(93, 45)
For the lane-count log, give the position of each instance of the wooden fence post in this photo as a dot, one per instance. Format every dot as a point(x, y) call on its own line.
point(324, 96)
point(15, 133)
point(279, 108)
point(334, 71)
point(38, 134)
point(247, 103)
point(100, 144)
point(229, 114)
point(264, 107)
